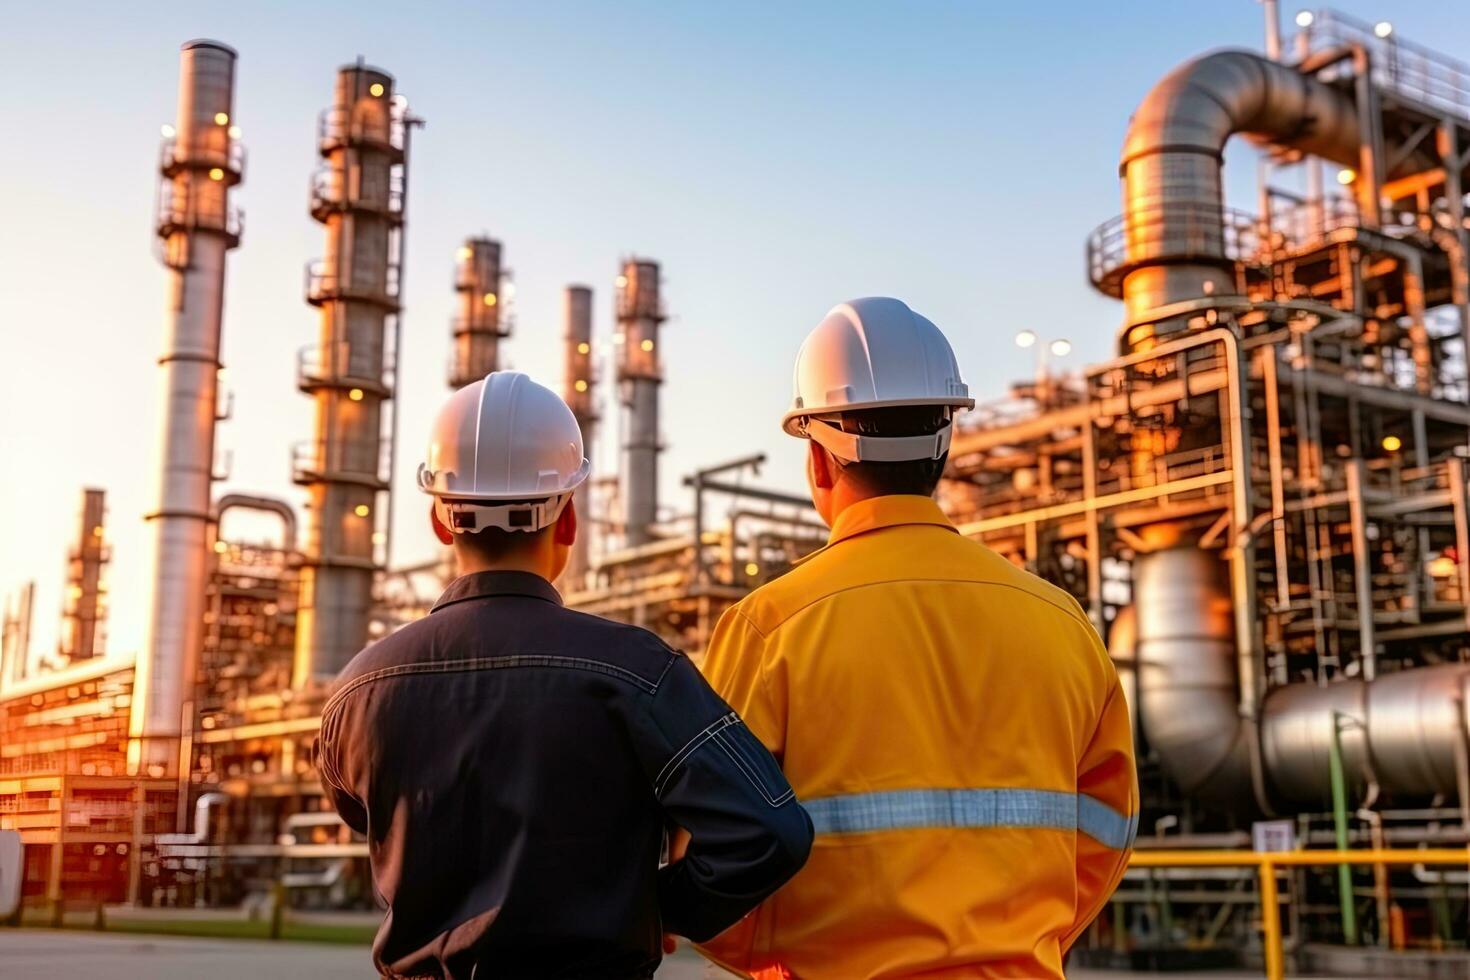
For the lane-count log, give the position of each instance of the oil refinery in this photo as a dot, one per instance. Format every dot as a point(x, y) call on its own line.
point(1260, 501)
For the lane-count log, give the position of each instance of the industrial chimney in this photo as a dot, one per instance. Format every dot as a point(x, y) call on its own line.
point(480, 323)
point(577, 384)
point(359, 195)
point(200, 162)
point(639, 314)
point(84, 609)
point(15, 635)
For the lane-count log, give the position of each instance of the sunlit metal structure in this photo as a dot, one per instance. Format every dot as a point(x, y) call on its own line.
point(84, 608)
point(640, 315)
point(480, 323)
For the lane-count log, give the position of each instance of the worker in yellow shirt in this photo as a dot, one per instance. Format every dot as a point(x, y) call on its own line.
point(952, 724)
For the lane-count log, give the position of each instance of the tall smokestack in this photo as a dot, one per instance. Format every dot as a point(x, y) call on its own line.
point(84, 610)
point(639, 315)
point(359, 195)
point(201, 161)
point(578, 380)
point(481, 322)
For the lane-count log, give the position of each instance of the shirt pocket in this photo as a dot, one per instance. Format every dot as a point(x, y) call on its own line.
point(746, 751)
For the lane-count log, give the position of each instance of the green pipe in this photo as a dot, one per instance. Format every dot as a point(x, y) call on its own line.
point(1340, 820)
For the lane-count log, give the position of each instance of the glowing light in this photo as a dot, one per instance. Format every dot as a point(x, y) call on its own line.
point(647, 345)
point(491, 299)
point(362, 510)
point(1305, 18)
point(1383, 28)
point(1441, 567)
point(168, 131)
point(379, 537)
point(1061, 348)
point(465, 252)
point(584, 348)
point(97, 531)
point(215, 173)
point(355, 394)
point(751, 568)
point(376, 89)
point(1347, 175)
point(622, 281)
point(75, 591)
point(580, 385)
point(1392, 444)
point(509, 289)
point(220, 547)
point(236, 132)
point(1026, 338)
point(221, 118)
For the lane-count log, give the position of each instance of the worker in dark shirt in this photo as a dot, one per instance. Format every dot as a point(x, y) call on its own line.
point(514, 765)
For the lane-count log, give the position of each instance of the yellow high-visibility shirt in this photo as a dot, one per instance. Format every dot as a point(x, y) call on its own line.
point(956, 731)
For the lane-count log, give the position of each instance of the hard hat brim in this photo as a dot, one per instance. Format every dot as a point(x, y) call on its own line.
point(577, 480)
point(790, 422)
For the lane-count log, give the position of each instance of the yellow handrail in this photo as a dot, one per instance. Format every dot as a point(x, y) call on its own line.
point(1266, 863)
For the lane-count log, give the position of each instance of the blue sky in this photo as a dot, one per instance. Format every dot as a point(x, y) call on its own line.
point(775, 158)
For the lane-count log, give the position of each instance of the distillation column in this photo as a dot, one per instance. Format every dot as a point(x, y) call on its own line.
point(84, 612)
point(639, 314)
point(479, 325)
point(359, 195)
point(577, 388)
point(201, 162)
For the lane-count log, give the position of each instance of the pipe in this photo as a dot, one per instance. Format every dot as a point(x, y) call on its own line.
point(202, 809)
point(578, 381)
point(268, 505)
point(200, 164)
point(1174, 219)
point(481, 324)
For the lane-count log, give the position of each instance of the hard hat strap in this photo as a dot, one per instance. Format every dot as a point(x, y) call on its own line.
point(468, 516)
point(877, 449)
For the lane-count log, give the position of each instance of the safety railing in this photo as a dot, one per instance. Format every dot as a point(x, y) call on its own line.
point(185, 212)
point(332, 190)
point(223, 152)
point(344, 365)
point(324, 284)
point(367, 123)
point(359, 461)
point(1411, 70)
point(1184, 230)
point(1268, 863)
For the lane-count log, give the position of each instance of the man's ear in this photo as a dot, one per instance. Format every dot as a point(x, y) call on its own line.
point(441, 532)
point(824, 469)
point(566, 524)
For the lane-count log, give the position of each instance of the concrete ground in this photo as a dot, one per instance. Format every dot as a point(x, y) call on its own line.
point(75, 955)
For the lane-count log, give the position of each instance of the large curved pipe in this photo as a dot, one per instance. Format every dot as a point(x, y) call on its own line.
point(1174, 219)
point(269, 505)
point(1400, 731)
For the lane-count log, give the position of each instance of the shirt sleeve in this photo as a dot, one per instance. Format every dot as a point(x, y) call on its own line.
point(348, 807)
point(713, 778)
point(1107, 811)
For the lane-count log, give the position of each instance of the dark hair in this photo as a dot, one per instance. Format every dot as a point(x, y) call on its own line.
point(915, 476)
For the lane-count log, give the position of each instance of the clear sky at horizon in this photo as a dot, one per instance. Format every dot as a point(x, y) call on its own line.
point(775, 158)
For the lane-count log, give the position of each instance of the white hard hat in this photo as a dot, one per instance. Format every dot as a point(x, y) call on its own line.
point(505, 438)
point(874, 352)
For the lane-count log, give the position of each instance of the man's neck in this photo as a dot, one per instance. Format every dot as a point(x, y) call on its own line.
point(470, 563)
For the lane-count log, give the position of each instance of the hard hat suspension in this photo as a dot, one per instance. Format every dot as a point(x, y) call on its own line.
point(469, 516)
point(857, 448)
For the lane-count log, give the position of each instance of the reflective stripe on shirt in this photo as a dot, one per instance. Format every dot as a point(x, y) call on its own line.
point(928, 808)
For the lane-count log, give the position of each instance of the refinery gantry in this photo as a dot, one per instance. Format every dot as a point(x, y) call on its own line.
point(1261, 501)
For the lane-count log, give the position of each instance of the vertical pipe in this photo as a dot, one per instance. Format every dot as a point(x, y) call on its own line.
point(1462, 533)
point(1340, 825)
point(578, 383)
point(1273, 29)
point(479, 324)
point(358, 195)
point(1370, 146)
point(1362, 569)
point(640, 313)
point(200, 164)
point(1271, 923)
point(84, 609)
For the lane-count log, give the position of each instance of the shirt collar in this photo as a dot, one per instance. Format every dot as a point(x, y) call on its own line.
point(877, 513)
point(479, 585)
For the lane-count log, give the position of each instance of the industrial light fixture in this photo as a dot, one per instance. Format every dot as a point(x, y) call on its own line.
point(375, 89)
point(379, 537)
point(491, 299)
point(584, 348)
point(622, 281)
point(1304, 18)
point(221, 118)
point(236, 132)
point(1061, 347)
point(580, 385)
point(355, 394)
point(220, 547)
point(1347, 175)
point(1392, 444)
point(751, 568)
point(1383, 28)
point(464, 253)
point(362, 510)
point(167, 130)
point(509, 289)
point(215, 173)
point(1026, 338)
point(647, 345)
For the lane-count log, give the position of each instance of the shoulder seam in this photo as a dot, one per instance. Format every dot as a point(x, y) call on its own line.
point(1070, 613)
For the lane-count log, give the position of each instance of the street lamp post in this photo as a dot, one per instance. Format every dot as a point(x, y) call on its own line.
point(1058, 348)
